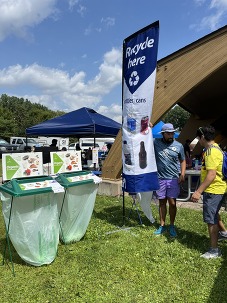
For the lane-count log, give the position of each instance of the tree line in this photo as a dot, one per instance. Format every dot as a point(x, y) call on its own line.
point(17, 114)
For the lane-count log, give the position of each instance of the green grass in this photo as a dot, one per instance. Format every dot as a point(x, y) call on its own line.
point(114, 265)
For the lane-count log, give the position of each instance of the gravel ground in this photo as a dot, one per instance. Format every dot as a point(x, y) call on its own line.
point(190, 204)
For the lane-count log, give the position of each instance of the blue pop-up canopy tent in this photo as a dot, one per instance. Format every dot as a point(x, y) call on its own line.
point(84, 122)
point(156, 129)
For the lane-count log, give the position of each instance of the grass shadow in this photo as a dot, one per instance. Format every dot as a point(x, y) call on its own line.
point(5, 254)
point(192, 240)
point(218, 292)
point(114, 216)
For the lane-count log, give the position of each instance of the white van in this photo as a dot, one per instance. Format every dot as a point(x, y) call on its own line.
point(100, 143)
point(24, 144)
point(83, 146)
point(46, 141)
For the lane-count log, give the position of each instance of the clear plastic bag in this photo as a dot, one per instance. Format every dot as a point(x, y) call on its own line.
point(34, 226)
point(75, 213)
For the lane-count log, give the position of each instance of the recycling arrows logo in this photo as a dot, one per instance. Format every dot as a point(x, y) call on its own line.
point(134, 79)
point(140, 57)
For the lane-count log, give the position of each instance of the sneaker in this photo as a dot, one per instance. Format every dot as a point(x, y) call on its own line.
point(172, 231)
point(222, 235)
point(160, 231)
point(212, 254)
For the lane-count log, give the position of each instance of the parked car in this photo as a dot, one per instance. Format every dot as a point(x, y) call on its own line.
point(6, 147)
point(24, 144)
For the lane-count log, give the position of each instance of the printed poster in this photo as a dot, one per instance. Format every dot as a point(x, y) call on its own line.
point(21, 165)
point(65, 161)
point(139, 72)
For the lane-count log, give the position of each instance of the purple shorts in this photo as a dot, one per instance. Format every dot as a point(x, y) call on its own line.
point(168, 189)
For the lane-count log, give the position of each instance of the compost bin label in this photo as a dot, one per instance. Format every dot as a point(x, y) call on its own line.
point(55, 186)
point(80, 178)
point(21, 165)
point(65, 161)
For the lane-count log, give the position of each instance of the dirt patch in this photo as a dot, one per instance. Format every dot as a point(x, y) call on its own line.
point(191, 205)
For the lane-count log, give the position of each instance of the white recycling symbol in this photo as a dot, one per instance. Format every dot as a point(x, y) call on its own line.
point(134, 78)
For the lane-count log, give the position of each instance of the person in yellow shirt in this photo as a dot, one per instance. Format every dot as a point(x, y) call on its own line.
point(212, 187)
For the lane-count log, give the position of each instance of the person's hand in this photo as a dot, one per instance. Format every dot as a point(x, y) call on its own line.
point(181, 179)
point(196, 196)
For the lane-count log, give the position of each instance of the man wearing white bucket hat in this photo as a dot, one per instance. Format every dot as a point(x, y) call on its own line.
point(169, 153)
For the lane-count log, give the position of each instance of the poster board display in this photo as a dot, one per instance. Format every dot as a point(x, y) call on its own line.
point(21, 165)
point(65, 161)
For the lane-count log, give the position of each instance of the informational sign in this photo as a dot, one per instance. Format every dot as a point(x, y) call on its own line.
point(80, 178)
point(139, 71)
point(56, 187)
point(65, 161)
point(18, 165)
point(95, 155)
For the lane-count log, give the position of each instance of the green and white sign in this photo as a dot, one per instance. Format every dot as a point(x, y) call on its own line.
point(65, 161)
point(21, 165)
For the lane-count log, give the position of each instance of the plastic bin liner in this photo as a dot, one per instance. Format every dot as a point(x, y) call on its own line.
point(34, 226)
point(76, 211)
point(144, 199)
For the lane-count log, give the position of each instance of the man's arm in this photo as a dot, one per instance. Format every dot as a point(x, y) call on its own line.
point(211, 174)
point(182, 169)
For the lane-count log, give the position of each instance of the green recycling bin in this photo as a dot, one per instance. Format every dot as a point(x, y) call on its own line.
point(30, 213)
point(76, 204)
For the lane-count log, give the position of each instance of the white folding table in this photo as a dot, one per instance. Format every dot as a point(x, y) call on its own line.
point(189, 173)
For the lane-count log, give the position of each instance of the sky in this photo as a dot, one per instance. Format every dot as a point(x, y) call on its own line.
point(67, 54)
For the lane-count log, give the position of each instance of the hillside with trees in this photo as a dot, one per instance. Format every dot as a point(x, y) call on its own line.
point(17, 114)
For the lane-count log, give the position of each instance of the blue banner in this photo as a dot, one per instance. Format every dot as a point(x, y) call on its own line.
point(139, 72)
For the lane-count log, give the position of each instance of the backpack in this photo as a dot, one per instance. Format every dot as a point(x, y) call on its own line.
point(224, 165)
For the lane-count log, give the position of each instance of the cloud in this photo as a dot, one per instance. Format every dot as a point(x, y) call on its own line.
point(218, 9)
point(17, 16)
point(199, 2)
point(72, 3)
point(82, 10)
point(55, 86)
point(63, 91)
point(110, 73)
point(87, 31)
point(116, 112)
point(109, 21)
point(105, 22)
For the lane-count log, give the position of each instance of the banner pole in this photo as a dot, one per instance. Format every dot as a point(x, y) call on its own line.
point(123, 204)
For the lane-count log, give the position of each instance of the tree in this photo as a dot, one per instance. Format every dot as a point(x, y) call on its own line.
point(177, 116)
point(18, 114)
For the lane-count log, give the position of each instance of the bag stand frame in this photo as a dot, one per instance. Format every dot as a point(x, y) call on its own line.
point(7, 242)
